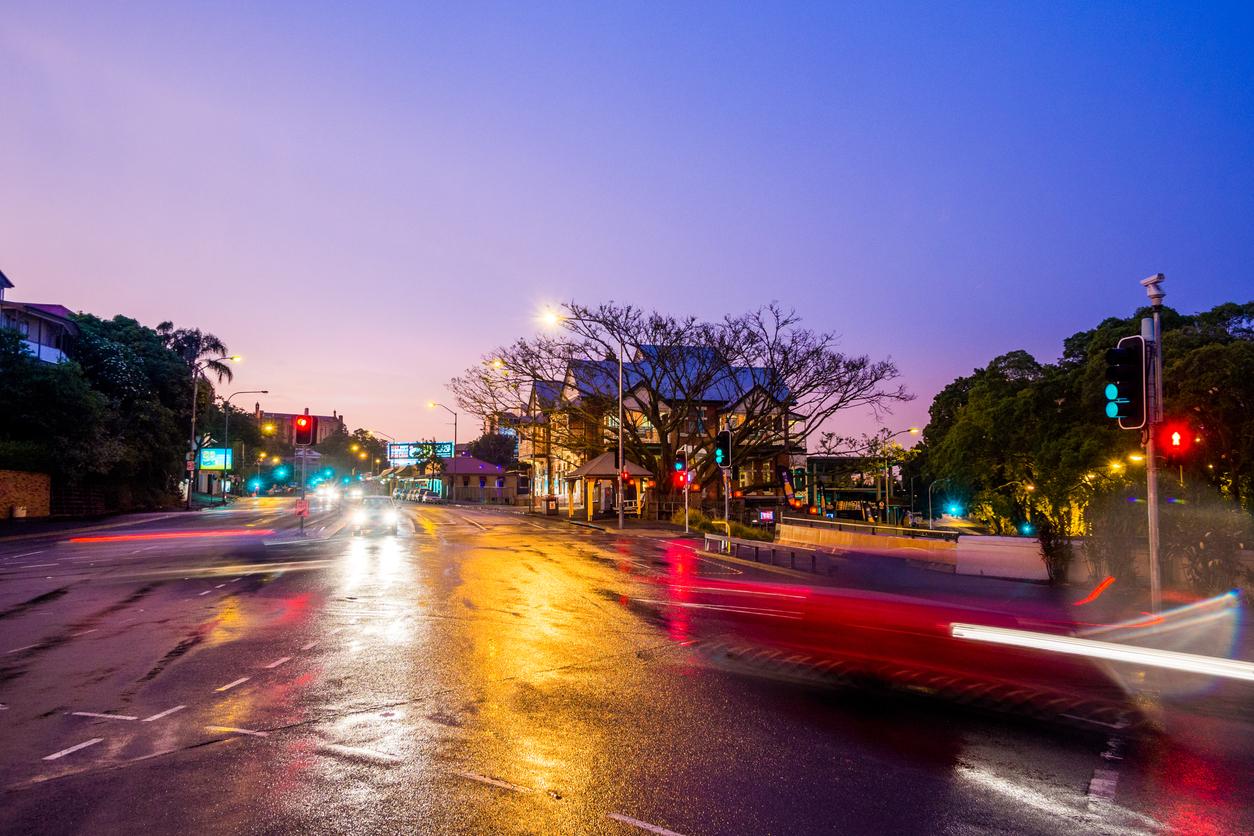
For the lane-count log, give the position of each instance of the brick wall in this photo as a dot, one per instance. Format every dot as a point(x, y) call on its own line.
point(20, 488)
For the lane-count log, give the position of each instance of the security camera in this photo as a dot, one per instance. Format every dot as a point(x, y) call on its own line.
point(1152, 288)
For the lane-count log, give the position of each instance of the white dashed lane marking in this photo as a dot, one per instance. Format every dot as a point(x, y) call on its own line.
point(309, 646)
point(165, 713)
point(103, 716)
point(278, 662)
point(24, 647)
point(231, 685)
point(643, 825)
point(358, 752)
point(72, 749)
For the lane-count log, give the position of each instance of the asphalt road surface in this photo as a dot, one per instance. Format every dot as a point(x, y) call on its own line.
point(487, 672)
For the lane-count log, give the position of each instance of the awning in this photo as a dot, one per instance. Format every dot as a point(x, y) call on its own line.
point(602, 467)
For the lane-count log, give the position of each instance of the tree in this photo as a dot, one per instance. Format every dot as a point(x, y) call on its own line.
point(776, 377)
point(496, 448)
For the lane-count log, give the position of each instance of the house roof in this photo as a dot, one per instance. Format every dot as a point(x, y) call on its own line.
point(602, 467)
point(470, 466)
point(55, 313)
point(547, 392)
point(4, 281)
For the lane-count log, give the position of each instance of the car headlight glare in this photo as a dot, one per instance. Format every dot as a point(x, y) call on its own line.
point(359, 517)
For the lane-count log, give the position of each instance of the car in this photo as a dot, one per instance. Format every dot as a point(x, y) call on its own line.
point(376, 513)
point(428, 496)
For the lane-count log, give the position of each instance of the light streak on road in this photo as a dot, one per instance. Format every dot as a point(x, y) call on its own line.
point(1070, 645)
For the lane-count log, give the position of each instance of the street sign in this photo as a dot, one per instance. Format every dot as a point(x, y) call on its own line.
point(191, 465)
point(302, 507)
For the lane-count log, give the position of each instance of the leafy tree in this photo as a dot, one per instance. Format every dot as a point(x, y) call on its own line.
point(496, 448)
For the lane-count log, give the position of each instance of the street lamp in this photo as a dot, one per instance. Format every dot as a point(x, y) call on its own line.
point(226, 426)
point(433, 405)
point(199, 366)
point(888, 490)
point(929, 500)
point(552, 318)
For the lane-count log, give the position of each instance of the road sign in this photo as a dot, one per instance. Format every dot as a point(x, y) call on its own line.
point(302, 507)
point(191, 465)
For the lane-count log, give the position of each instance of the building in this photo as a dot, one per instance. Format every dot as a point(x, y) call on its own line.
point(285, 431)
point(568, 422)
point(46, 329)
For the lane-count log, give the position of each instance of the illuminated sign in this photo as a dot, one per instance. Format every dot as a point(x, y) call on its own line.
point(215, 458)
point(406, 453)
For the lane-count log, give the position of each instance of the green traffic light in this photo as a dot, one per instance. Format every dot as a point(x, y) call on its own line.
point(1112, 410)
point(1112, 392)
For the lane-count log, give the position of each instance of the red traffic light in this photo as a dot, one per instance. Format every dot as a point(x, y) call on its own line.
point(305, 427)
point(1175, 438)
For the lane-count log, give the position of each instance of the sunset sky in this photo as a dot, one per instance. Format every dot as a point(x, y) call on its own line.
point(362, 199)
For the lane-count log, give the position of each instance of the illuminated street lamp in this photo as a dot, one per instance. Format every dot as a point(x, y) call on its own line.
point(433, 405)
point(226, 428)
point(552, 319)
point(197, 368)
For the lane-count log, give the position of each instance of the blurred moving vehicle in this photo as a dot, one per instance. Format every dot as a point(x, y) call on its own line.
point(376, 513)
point(428, 496)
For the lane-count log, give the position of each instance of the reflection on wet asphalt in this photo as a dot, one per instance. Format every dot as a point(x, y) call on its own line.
point(488, 673)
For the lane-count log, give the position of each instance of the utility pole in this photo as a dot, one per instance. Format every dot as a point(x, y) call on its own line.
point(1153, 288)
point(687, 488)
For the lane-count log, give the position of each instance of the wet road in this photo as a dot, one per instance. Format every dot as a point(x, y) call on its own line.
point(485, 672)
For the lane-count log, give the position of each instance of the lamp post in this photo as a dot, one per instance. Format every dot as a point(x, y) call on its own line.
point(433, 405)
point(199, 366)
point(554, 318)
point(929, 500)
point(226, 427)
point(888, 491)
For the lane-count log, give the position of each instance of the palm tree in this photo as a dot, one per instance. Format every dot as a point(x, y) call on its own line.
point(197, 348)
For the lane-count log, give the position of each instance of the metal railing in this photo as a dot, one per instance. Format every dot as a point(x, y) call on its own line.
point(870, 528)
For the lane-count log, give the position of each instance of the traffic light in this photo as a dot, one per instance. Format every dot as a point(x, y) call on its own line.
point(722, 449)
point(1175, 439)
point(1125, 383)
point(306, 430)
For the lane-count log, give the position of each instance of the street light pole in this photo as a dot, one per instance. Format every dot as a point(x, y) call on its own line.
point(1156, 294)
point(197, 367)
point(432, 405)
point(226, 429)
point(929, 500)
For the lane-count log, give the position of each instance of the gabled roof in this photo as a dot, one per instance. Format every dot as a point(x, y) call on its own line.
point(4, 281)
point(546, 392)
point(470, 466)
point(602, 467)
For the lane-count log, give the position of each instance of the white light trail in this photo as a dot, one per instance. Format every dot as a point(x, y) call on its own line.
point(1151, 657)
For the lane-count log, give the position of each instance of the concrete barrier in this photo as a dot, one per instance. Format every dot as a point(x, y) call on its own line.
point(842, 538)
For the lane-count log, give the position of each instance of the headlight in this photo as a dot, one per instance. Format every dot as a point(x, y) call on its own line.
point(391, 517)
point(359, 517)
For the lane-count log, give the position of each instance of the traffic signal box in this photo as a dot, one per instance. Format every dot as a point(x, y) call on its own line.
point(305, 429)
point(722, 449)
point(1125, 383)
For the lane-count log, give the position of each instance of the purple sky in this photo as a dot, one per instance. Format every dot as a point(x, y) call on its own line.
point(362, 204)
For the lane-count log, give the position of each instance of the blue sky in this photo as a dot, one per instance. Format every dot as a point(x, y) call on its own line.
point(362, 201)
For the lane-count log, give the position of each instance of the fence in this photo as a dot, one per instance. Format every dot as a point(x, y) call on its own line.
point(870, 528)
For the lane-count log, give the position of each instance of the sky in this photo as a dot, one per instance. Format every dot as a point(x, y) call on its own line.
point(363, 199)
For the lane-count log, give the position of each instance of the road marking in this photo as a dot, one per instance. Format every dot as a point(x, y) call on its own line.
point(103, 716)
point(484, 779)
point(206, 592)
point(309, 646)
point(20, 649)
point(357, 752)
point(85, 632)
point(165, 713)
point(34, 565)
point(231, 685)
point(28, 554)
point(233, 580)
point(1103, 784)
point(643, 825)
point(278, 662)
point(234, 730)
point(219, 586)
point(472, 522)
point(65, 752)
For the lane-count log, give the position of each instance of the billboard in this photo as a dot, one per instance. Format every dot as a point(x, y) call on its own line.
point(215, 458)
point(401, 454)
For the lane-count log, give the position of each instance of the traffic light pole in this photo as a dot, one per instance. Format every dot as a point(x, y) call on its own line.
point(1153, 418)
point(687, 490)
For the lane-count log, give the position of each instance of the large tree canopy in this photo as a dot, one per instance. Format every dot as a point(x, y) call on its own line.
point(763, 364)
